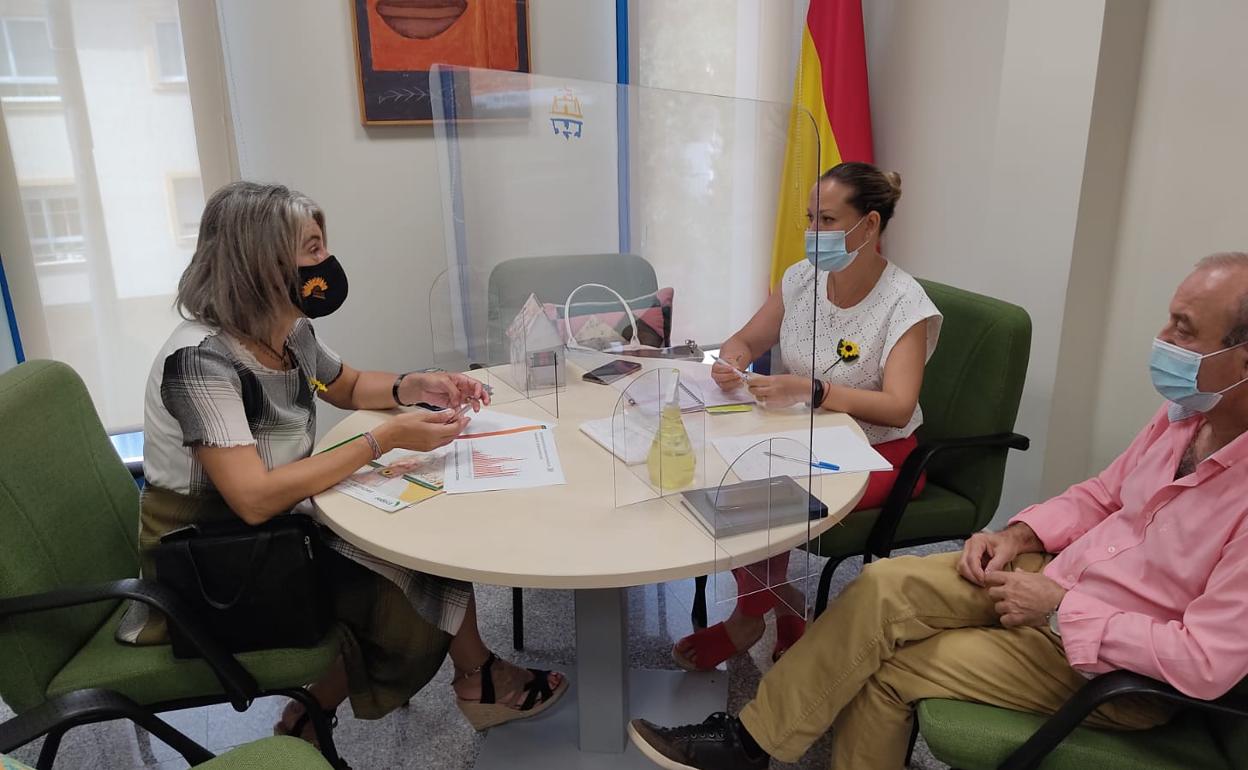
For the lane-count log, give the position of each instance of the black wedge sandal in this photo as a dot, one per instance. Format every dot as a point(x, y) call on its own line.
point(487, 712)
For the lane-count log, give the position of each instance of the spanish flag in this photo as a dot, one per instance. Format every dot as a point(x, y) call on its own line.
point(831, 86)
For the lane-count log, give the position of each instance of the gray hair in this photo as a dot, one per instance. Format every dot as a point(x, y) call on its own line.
point(243, 272)
point(1238, 333)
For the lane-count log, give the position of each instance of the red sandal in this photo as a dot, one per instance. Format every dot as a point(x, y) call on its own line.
point(712, 645)
point(789, 628)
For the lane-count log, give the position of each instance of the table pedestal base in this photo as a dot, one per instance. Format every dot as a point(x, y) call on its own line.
point(665, 697)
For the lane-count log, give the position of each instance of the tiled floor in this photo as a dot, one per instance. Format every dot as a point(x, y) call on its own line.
point(430, 733)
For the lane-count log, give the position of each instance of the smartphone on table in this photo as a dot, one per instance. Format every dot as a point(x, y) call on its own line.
point(609, 373)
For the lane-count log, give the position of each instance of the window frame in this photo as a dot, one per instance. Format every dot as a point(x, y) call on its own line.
point(159, 80)
point(44, 192)
point(181, 237)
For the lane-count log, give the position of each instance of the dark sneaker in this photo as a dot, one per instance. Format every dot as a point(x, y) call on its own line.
point(713, 745)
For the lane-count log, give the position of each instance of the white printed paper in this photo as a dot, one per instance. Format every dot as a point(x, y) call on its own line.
point(838, 445)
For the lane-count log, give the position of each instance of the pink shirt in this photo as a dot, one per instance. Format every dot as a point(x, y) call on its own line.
point(1156, 569)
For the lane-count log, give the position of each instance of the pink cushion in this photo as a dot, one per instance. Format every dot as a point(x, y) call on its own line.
point(653, 313)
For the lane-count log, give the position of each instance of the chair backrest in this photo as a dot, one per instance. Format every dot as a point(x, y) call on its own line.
point(972, 386)
point(68, 517)
point(552, 279)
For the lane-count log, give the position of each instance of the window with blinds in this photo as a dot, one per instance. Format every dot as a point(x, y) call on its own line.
point(98, 119)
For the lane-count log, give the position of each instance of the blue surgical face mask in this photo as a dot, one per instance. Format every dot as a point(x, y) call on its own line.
point(825, 249)
point(1174, 371)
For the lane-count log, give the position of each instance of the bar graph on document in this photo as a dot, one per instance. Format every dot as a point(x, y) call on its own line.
point(487, 466)
point(513, 457)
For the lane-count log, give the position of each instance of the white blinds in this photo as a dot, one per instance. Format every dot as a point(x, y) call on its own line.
point(97, 114)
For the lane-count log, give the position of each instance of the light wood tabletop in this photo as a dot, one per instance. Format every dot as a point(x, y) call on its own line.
point(573, 536)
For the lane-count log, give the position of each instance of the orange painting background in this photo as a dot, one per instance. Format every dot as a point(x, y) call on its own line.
point(485, 36)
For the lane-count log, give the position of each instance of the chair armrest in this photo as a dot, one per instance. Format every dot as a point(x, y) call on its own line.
point(879, 542)
point(82, 707)
point(1091, 696)
point(239, 685)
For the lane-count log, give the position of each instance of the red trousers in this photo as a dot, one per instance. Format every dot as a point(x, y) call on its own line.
point(752, 599)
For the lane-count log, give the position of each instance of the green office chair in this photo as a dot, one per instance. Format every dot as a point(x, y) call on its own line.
point(276, 753)
point(971, 389)
point(552, 279)
point(281, 752)
point(69, 522)
point(1205, 735)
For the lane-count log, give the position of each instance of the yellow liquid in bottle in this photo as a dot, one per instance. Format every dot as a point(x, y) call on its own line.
point(671, 460)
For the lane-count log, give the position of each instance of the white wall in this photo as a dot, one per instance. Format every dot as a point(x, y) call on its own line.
point(293, 95)
point(989, 130)
point(1184, 196)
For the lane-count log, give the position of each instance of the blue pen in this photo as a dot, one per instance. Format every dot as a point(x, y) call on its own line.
point(812, 463)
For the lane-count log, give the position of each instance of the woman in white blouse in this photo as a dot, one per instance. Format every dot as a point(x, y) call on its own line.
point(873, 330)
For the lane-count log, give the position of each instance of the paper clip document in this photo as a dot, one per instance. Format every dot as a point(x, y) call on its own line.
point(503, 452)
point(835, 444)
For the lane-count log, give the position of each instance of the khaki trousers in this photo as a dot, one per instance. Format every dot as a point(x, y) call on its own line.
point(911, 628)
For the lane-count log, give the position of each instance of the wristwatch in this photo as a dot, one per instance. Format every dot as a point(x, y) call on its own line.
point(1053, 626)
point(817, 391)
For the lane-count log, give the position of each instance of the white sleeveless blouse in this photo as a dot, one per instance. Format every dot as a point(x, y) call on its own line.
point(896, 303)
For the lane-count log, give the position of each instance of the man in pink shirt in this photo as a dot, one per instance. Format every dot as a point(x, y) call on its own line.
point(1143, 567)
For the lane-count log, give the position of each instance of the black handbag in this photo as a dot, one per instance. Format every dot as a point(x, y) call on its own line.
point(260, 587)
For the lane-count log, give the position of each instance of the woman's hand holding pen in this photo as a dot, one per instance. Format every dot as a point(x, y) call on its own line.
point(419, 430)
point(779, 391)
point(444, 389)
point(729, 369)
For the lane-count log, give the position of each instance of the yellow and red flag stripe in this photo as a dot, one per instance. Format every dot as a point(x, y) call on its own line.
point(831, 87)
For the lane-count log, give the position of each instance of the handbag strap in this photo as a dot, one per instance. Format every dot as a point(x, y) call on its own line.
point(259, 549)
point(567, 317)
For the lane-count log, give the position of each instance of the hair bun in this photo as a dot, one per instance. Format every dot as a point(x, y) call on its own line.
point(894, 181)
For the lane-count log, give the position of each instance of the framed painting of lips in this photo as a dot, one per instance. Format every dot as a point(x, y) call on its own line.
point(397, 41)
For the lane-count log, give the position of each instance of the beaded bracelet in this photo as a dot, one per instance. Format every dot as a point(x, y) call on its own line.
point(372, 443)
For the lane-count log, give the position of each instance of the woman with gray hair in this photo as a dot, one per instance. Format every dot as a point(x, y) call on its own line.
point(230, 419)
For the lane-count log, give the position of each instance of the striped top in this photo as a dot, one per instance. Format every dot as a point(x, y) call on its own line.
point(207, 389)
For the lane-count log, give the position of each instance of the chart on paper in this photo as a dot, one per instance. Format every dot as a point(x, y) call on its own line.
point(510, 458)
point(488, 466)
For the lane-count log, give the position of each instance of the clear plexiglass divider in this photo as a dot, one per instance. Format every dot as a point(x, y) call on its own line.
point(532, 364)
point(657, 438)
point(768, 496)
point(601, 240)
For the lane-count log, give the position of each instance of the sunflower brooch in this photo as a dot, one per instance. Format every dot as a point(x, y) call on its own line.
point(847, 351)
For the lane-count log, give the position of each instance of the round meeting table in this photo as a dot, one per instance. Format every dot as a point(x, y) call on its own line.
point(580, 536)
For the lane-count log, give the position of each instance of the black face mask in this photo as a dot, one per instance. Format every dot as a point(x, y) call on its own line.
point(322, 288)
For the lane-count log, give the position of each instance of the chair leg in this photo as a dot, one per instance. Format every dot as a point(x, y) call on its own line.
point(517, 619)
point(320, 724)
point(914, 737)
point(698, 615)
point(825, 584)
point(47, 754)
point(162, 731)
